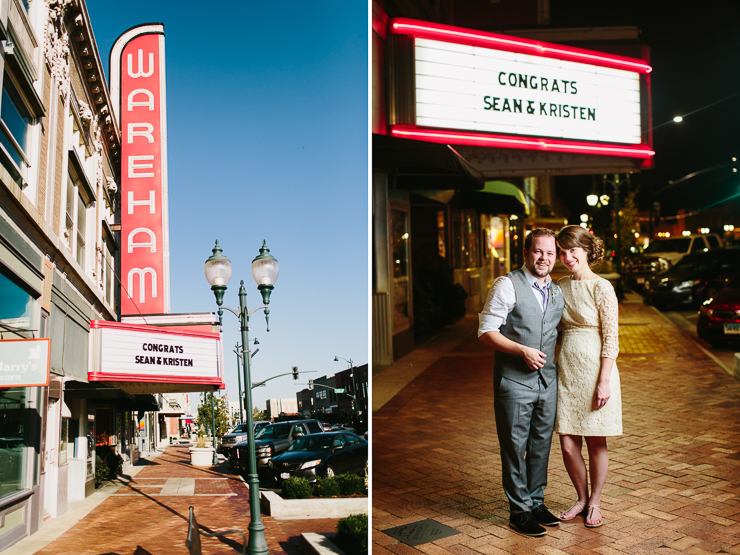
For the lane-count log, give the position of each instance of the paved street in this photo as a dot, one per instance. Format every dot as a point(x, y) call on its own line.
point(674, 478)
point(148, 515)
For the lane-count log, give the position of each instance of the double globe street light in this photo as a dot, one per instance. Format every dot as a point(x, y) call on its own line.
point(265, 273)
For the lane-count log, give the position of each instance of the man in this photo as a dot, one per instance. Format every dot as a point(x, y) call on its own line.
point(519, 321)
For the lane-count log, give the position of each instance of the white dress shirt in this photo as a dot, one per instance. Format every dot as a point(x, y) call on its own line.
point(502, 298)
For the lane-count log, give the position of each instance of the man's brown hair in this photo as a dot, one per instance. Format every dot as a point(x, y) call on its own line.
point(537, 232)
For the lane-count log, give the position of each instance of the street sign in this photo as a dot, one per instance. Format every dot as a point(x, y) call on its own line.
point(339, 390)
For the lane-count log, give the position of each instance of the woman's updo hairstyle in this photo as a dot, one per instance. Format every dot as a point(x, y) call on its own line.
point(576, 236)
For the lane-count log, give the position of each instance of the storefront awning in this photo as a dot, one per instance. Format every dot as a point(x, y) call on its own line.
point(424, 165)
point(497, 197)
point(111, 396)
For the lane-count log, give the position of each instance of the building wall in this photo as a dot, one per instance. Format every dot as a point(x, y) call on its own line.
point(47, 119)
point(277, 406)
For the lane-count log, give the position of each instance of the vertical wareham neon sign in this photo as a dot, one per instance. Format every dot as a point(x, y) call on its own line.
point(137, 68)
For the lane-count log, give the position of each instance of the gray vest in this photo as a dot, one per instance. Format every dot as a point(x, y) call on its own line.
point(529, 326)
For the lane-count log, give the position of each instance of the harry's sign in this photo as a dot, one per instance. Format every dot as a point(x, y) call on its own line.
point(138, 92)
point(24, 362)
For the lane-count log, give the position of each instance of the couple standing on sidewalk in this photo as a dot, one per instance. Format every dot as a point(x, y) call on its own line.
point(580, 398)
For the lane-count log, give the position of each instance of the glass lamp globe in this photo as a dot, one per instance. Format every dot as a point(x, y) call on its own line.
point(218, 268)
point(592, 200)
point(265, 267)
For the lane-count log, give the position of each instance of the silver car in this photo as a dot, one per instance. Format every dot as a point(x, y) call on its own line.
point(237, 435)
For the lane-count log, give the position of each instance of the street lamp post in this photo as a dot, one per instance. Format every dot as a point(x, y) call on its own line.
point(265, 273)
point(239, 353)
point(354, 387)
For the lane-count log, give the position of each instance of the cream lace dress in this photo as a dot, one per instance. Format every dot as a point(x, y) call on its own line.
point(590, 330)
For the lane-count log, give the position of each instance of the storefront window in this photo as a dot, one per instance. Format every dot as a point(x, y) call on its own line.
point(127, 430)
point(401, 270)
point(16, 415)
point(91, 445)
point(465, 240)
point(64, 441)
point(441, 234)
point(470, 243)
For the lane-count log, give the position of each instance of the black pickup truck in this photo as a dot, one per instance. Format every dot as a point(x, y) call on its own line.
point(270, 441)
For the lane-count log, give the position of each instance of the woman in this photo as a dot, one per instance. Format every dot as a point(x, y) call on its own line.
point(589, 398)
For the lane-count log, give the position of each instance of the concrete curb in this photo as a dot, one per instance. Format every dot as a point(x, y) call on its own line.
point(319, 544)
point(276, 506)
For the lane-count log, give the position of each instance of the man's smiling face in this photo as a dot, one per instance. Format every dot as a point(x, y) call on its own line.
point(540, 258)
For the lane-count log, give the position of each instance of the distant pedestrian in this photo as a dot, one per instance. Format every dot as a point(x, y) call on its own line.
point(589, 397)
point(519, 321)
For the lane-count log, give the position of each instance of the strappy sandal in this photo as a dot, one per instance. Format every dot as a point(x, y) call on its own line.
point(576, 504)
point(590, 513)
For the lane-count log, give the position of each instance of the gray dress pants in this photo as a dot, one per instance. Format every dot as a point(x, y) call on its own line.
point(525, 418)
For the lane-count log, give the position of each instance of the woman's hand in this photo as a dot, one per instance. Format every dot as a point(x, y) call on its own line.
point(603, 392)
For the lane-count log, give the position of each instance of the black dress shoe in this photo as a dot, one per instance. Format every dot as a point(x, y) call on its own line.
point(526, 525)
point(544, 517)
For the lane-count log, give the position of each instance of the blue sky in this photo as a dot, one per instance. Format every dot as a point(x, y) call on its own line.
point(267, 110)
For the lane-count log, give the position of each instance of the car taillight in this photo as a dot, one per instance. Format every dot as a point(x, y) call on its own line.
point(707, 311)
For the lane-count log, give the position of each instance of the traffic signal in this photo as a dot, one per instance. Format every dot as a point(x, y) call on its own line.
point(295, 372)
point(310, 384)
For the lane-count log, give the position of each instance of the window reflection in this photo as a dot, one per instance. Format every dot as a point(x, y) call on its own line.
point(401, 270)
point(16, 305)
point(15, 423)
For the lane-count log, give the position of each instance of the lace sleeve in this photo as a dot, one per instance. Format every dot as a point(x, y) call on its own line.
point(608, 307)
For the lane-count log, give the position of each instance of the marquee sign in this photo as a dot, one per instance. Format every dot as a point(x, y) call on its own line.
point(140, 353)
point(138, 91)
point(24, 362)
point(486, 89)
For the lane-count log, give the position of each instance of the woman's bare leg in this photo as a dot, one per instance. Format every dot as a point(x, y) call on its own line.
point(576, 467)
point(598, 462)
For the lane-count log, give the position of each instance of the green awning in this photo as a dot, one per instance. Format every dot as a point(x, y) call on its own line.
point(496, 197)
point(505, 188)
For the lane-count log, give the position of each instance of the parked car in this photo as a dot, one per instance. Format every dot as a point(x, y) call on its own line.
point(237, 435)
point(719, 317)
point(319, 455)
point(661, 254)
point(269, 442)
point(694, 279)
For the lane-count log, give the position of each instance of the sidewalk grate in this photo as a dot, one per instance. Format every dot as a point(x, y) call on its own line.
point(423, 531)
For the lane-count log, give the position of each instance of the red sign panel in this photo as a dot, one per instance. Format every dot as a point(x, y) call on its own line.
point(138, 90)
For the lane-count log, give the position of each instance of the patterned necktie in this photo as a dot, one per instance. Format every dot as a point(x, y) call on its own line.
point(543, 292)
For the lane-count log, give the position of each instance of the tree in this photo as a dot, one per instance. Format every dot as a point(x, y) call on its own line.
point(221, 413)
point(257, 415)
point(628, 225)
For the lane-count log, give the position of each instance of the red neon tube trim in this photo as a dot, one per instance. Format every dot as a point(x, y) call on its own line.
point(459, 35)
point(511, 141)
point(139, 378)
point(176, 331)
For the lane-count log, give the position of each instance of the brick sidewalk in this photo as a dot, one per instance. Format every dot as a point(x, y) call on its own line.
point(674, 477)
point(149, 515)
